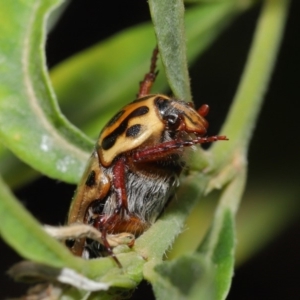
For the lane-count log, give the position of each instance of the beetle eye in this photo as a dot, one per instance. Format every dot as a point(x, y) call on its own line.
point(173, 122)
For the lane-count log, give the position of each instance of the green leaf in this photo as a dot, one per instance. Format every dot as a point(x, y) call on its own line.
point(30, 122)
point(218, 250)
point(22, 232)
point(168, 21)
point(56, 14)
point(13, 170)
point(188, 277)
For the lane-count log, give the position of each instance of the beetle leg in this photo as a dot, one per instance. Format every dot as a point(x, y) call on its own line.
point(146, 84)
point(100, 223)
point(120, 186)
point(103, 223)
point(160, 150)
point(109, 248)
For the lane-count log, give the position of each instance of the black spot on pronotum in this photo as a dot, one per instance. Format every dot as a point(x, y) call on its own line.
point(142, 110)
point(110, 140)
point(91, 180)
point(115, 118)
point(134, 130)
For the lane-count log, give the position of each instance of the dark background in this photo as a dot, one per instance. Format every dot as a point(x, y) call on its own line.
point(273, 273)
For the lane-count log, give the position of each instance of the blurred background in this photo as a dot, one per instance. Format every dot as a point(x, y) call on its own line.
point(274, 153)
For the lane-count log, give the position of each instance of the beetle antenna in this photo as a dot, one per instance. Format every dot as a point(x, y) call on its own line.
point(146, 84)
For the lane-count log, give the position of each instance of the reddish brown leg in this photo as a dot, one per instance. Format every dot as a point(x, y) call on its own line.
point(146, 84)
point(102, 223)
point(99, 223)
point(119, 185)
point(155, 152)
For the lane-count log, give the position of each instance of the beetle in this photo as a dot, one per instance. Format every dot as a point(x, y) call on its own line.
point(134, 169)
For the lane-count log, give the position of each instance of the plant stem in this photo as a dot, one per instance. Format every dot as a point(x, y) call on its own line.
point(250, 93)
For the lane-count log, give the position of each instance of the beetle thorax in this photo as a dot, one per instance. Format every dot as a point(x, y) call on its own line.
point(137, 124)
